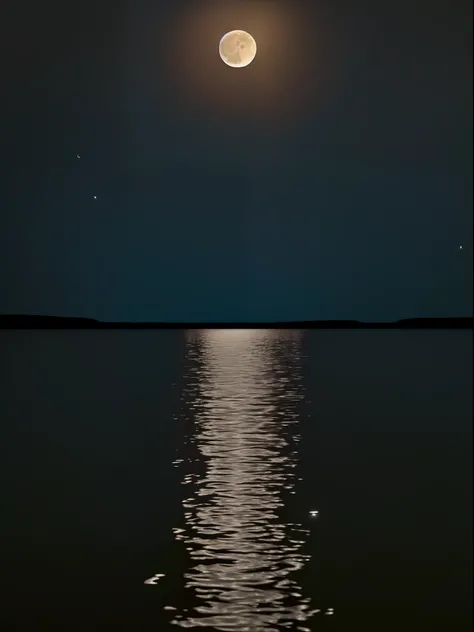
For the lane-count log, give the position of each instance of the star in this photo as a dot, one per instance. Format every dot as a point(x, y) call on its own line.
point(78, 157)
point(95, 197)
point(460, 247)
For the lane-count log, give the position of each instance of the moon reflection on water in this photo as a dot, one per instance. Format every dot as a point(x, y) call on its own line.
point(241, 393)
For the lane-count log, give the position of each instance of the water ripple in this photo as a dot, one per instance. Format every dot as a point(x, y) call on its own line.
point(241, 395)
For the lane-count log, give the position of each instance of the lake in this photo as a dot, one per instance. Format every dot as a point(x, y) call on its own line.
point(236, 480)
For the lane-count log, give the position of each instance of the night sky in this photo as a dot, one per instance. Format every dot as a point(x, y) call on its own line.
point(142, 179)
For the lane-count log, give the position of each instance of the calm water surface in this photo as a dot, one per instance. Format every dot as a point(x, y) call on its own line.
point(236, 480)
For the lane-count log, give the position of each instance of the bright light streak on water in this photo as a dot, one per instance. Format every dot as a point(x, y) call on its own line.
point(242, 392)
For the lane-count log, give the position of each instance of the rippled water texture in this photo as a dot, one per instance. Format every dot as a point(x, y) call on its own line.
point(152, 480)
point(241, 462)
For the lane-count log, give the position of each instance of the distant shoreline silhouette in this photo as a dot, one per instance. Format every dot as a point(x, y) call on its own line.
point(25, 321)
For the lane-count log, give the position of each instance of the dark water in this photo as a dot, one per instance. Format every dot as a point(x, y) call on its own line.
point(156, 480)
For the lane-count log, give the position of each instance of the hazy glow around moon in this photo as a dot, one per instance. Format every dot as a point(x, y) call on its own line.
point(295, 73)
point(237, 49)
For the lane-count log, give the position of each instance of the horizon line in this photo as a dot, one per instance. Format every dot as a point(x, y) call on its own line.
point(18, 320)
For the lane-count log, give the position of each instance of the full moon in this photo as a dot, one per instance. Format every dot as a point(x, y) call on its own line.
point(237, 49)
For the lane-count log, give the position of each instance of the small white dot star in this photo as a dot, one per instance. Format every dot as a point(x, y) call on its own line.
point(78, 157)
point(95, 197)
point(460, 247)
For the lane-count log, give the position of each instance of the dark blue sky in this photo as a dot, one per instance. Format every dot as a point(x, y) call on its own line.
point(331, 178)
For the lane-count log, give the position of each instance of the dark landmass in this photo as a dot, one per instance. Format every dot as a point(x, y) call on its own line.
point(24, 321)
